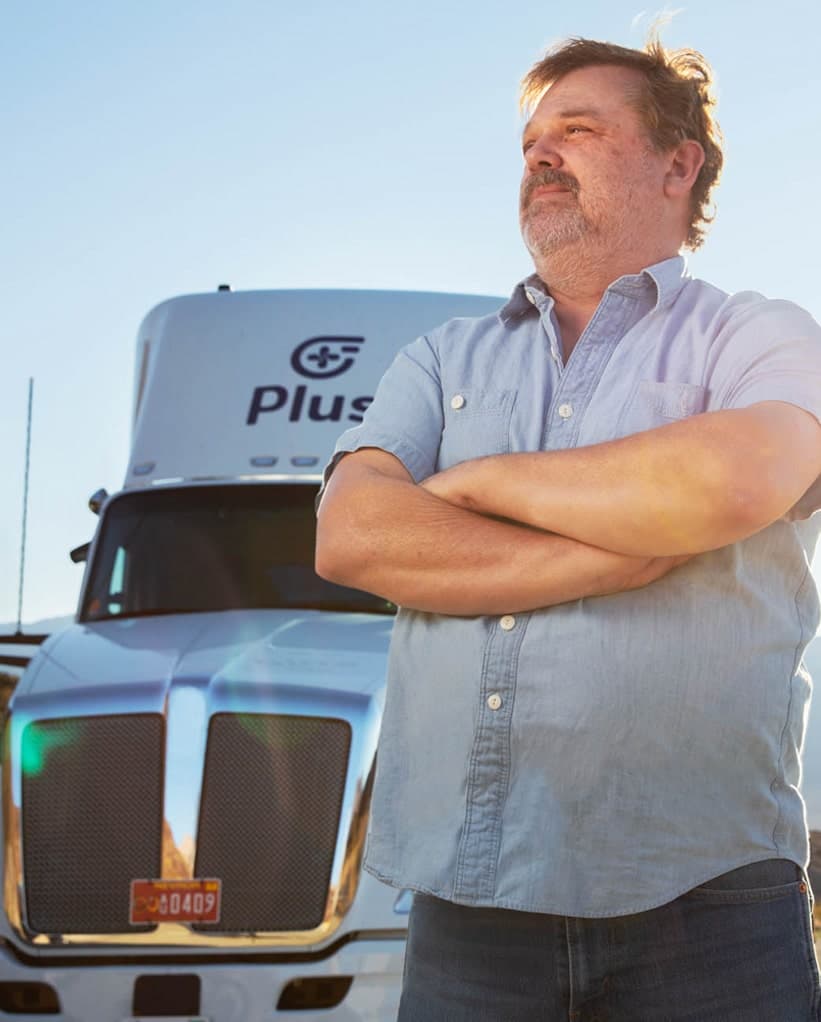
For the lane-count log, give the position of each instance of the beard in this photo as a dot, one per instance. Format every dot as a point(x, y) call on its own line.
point(547, 223)
point(547, 231)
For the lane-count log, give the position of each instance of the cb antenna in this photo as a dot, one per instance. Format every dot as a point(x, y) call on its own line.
point(25, 511)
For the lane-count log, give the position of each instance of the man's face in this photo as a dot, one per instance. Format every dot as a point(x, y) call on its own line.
point(591, 175)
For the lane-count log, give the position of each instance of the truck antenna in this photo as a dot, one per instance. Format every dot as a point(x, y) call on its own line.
point(25, 512)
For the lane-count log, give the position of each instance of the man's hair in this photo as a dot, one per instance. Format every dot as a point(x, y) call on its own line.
point(676, 102)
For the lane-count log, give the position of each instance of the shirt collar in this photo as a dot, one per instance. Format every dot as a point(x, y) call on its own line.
point(660, 283)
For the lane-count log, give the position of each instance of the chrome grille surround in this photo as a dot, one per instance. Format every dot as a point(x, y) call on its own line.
point(354, 714)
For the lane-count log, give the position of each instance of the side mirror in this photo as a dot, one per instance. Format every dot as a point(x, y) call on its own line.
point(96, 501)
point(80, 553)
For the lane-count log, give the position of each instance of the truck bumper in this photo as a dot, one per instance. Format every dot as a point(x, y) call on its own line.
point(247, 991)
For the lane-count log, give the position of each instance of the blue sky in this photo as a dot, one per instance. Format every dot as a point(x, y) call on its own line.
point(165, 147)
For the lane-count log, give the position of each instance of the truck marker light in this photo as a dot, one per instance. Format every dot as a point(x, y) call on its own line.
point(145, 468)
point(263, 462)
point(304, 462)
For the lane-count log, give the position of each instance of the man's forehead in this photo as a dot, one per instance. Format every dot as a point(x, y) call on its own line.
point(597, 91)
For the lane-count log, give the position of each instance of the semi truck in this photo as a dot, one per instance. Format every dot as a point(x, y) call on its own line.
point(187, 767)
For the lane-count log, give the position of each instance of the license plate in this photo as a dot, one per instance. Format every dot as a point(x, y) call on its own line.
point(175, 901)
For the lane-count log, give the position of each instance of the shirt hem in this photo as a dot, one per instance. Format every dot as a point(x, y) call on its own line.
point(567, 911)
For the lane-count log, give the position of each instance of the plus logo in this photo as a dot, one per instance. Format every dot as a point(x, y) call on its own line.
point(320, 358)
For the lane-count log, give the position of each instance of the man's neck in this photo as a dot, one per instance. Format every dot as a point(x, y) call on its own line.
point(577, 280)
point(572, 315)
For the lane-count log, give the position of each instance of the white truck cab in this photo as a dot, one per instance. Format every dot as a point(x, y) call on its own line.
point(187, 768)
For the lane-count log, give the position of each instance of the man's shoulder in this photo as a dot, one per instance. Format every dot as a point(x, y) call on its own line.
point(732, 310)
point(465, 331)
point(744, 306)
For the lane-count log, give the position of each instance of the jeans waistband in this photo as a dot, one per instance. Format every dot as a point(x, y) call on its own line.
point(769, 873)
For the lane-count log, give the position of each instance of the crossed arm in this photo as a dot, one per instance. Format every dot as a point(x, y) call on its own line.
point(584, 522)
point(694, 485)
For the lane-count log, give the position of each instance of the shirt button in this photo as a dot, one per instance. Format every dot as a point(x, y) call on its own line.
point(457, 402)
point(494, 701)
point(507, 622)
point(531, 297)
point(566, 411)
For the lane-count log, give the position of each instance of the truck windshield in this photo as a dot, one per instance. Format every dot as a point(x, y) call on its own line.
point(206, 548)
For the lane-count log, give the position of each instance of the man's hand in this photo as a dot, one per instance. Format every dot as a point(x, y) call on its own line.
point(637, 572)
point(460, 485)
point(692, 486)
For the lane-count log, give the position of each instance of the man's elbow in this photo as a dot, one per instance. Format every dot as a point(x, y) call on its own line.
point(750, 508)
point(344, 540)
point(324, 562)
point(332, 560)
point(771, 471)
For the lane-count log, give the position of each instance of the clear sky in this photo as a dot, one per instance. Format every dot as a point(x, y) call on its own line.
point(159, 148)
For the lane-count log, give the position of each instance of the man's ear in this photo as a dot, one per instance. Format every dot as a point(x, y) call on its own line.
point(685, 161)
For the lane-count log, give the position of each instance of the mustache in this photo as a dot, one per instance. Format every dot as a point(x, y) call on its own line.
point(548, 177)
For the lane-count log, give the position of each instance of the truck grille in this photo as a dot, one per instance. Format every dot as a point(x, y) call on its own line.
point(271, 799)
point(92, 819)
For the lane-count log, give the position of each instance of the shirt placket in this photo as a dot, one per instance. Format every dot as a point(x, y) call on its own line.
point(489, 768)
point(577, 382)
point(490, 761)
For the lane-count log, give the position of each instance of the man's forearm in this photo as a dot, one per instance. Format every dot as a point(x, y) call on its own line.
point(388, 536)
point(684, 488)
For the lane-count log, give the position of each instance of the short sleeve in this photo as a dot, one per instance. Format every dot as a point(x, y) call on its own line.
point(405, 417)
point(768, 350)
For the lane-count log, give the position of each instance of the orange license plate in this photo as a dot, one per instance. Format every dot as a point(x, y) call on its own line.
point(175, 901)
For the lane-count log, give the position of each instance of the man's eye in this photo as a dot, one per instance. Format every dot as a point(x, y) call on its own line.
point(576, 129)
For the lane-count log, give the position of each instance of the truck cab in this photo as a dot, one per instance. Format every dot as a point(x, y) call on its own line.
point(187, 767)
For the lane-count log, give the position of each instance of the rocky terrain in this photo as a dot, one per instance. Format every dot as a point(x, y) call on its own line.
point(815, 874)
point(7, 683)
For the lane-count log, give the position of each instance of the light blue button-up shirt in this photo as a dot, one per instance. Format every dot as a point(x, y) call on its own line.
point(603, 756)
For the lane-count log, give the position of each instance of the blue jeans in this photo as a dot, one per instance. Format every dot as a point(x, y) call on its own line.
point(738, 949)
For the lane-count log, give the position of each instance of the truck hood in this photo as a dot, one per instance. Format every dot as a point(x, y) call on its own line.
point(138, 661)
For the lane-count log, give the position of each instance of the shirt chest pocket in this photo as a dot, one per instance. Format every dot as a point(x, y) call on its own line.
point(477, 424)
point(653, 403)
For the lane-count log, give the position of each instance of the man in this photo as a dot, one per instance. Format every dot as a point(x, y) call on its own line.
point(593, 511)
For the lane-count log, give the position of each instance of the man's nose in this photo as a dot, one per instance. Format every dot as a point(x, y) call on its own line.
point(542, 153)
